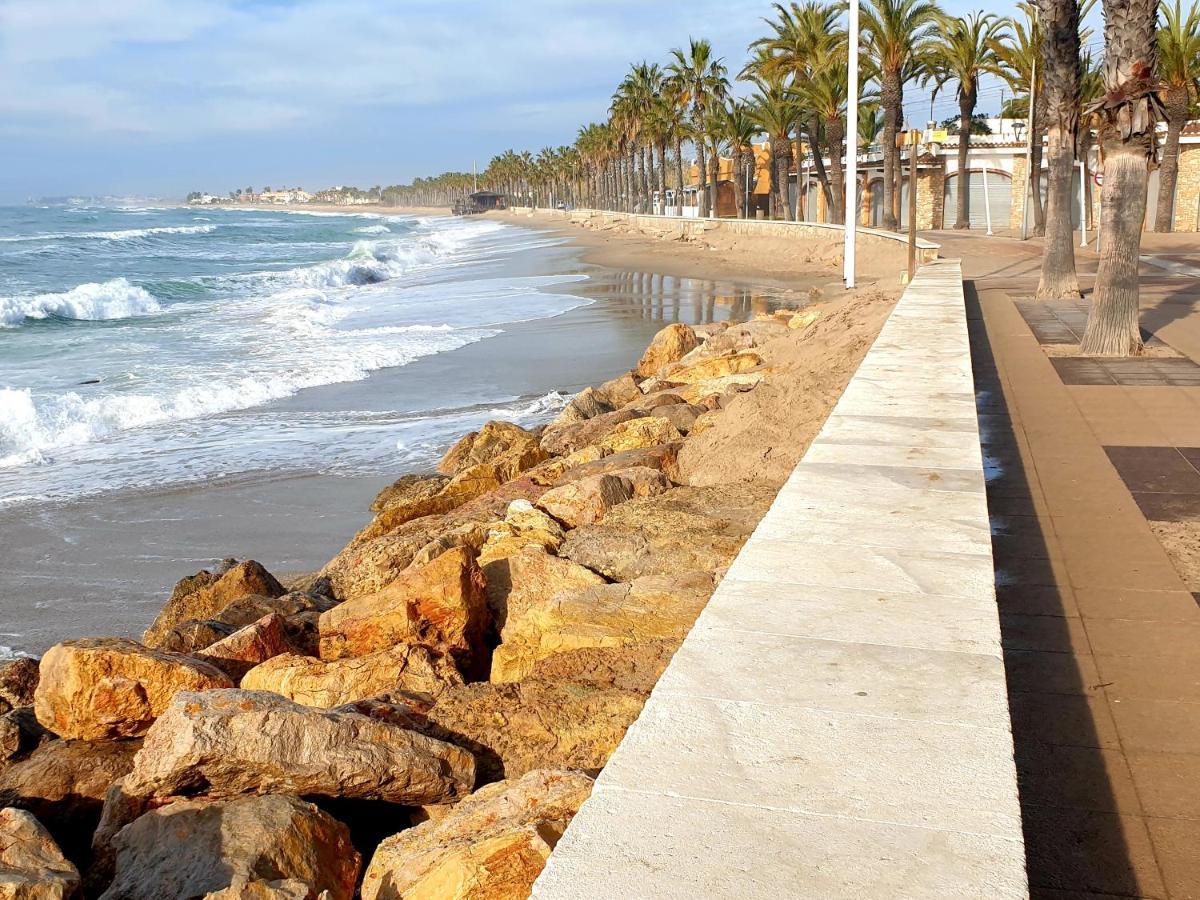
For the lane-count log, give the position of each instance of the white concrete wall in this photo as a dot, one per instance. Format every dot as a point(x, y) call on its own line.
point(836, 724)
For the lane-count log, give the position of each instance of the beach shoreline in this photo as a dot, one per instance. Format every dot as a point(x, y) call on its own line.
point(111, 562)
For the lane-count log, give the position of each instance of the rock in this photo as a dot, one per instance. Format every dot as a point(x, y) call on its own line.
point(686, 529)
point(225, 743)
point(314, 682)
point(651, 608)
point(524, 526)
point(442, 604)
point(468, 484)
point(803, 320)
point(192, 848)
point(631, 667)
point(279, 889)
point(470, 536)
point(681, 415)
point(647, 431)
point(301, 611)
point(668, 346)
point(585, 405)
point(494, 844)
point(705, 421)
point(745, 335)
point(113, 688)
point(515, 728)
point(63, 783)
point(246, 648)
point(567, 439)
point(193, 636)
point(726, 384)
point(585, 501)
point(31, 865)
point(20, 734)
point(408, 489)
point(528, 578)
point(661, 456)
point(496, 442)
point(712, 367)
point(367, 567)
point(18, 680)
point(202, 595)
point(620, 390)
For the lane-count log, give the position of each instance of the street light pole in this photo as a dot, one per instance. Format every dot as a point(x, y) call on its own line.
point(1030, 177)
point(851, 205)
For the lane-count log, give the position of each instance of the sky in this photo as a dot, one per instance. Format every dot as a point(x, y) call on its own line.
point(162, 97)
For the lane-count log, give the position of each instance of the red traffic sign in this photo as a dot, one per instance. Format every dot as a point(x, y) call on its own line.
point(1098, 177)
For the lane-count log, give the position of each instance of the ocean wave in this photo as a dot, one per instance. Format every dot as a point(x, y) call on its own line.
point(373, 229)
point(537, 408)
point(92, 301)
point(123, 234)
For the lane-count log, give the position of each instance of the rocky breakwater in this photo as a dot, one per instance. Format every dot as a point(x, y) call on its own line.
point(423, 716)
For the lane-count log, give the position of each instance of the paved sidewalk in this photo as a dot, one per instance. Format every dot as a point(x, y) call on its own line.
point(1101, 633)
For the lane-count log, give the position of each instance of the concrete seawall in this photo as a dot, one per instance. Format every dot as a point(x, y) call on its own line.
point(836, 724)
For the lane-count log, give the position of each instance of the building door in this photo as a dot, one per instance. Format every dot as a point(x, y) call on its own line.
point(998, 190)
point(876, 219)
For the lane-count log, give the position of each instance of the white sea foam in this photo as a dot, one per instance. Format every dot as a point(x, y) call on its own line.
point(123, 234)
point(93, 301)
point(372, 229)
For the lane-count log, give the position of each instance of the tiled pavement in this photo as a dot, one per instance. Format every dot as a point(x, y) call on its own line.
point(1101, 635)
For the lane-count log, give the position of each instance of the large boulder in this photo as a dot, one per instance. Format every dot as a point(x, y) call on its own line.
point(620, 390)
point(651, 608)
point(497, 442)
point(301, 610)
point(202, 595)
point(20, 734)
point(442, 604)
point(566, 439)
point(668, 346)
point(534, 724)
point(494, 844)
point(587, 500)
point(585, 405)
point(31, 865)
point(685, 529)
point(102, 688)
point(529, 578)
point(647, 431)
point(194, 848)
point(231, 742)
point(192, 636)
point(661, 457)
point(524, 526)
point(634, 668)
point(18, 680)
point(471, 482)
point(63, 783)
point(409, 489)
point(249, 646)
point(712, 367)
point(315, 682)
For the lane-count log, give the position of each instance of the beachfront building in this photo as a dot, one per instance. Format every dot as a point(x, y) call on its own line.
point(295, 195)
point(995, 178)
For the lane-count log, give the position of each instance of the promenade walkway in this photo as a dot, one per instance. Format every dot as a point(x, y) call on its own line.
point(837, 723)
point(1100, 625)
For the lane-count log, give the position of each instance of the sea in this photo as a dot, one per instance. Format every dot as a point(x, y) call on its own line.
point(134, 340)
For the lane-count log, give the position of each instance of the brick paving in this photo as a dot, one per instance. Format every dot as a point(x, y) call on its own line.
point(1100, 632)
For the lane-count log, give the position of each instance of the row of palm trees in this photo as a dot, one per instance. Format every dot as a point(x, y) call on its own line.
point(792, 91)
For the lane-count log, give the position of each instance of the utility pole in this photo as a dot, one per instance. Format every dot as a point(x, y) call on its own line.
point(851, 205)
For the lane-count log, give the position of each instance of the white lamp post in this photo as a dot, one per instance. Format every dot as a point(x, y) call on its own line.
point(851, 204)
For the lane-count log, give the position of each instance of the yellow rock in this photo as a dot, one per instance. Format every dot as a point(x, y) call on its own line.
point(668, 346)
point(491, 846)
point(635, 434)
point(714, 367)
point(315, 682)
point(803, 320)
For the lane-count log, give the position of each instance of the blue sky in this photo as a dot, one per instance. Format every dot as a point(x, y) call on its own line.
point(159, 97)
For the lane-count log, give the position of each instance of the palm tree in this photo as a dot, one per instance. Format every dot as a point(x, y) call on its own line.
point(1129, 112)
point(1019, 64)
point(773, 109)
point(698, 78)
point(964, 53)
point(738, 129)
point(1179, 66)
point(1059, 21)
point(898, 35)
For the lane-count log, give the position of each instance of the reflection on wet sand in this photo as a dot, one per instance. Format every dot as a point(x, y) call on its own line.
point(669, 298)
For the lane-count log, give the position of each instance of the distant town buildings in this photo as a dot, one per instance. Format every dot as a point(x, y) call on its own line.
point(340, 195)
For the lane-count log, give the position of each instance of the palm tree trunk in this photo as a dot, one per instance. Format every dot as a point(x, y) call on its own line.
point(1039, 132)
point(701, 178)
point(1060, 21)
point(647, 177)
point(966, 108)
point(714, 166)
point(678, 177)
point(891, 98)
point(835, 136)
point(1168, 174)
point(1127, 139)
point(781, 152)
point(814, 145)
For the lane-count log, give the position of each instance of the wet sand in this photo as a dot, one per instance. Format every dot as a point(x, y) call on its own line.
point(105, 565)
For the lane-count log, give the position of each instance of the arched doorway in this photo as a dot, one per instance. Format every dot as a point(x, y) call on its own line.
point(998, 197)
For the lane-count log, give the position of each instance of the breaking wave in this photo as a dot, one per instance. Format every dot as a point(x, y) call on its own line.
point(93, 301)
point(123, 234)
